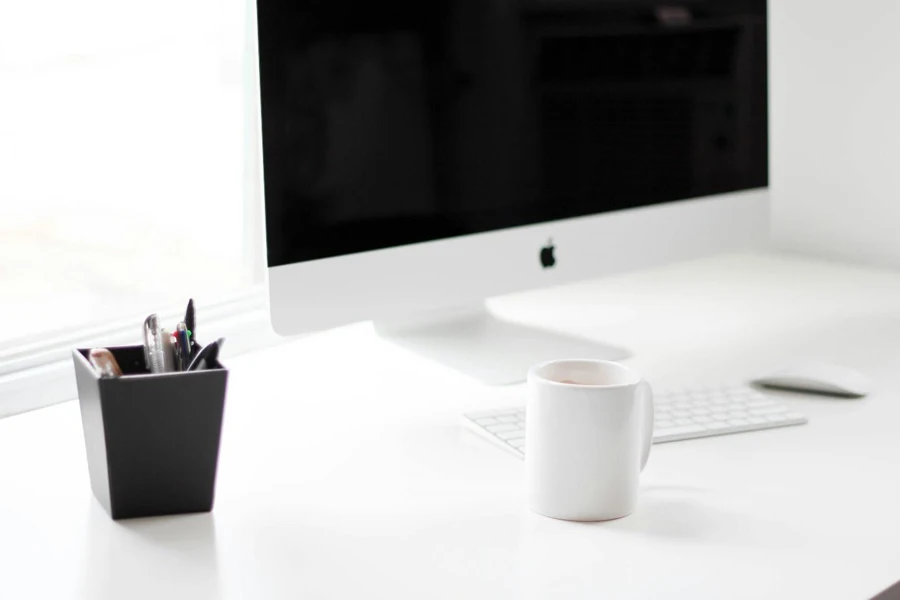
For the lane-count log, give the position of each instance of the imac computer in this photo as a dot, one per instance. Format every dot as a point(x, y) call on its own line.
point(420, 157)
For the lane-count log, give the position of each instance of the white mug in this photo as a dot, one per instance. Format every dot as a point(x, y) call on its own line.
point(588, 431)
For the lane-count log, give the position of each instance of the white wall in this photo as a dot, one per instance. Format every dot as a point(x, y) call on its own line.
point(835, 127)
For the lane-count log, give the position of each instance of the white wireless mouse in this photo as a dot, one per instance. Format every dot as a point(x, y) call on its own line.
point(819, 379)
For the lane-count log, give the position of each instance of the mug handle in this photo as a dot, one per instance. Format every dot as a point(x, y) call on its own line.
point(645, 396)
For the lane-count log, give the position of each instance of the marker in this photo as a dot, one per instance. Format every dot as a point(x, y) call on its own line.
point(207, 356)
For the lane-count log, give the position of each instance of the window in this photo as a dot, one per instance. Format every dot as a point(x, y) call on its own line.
point(122, 163)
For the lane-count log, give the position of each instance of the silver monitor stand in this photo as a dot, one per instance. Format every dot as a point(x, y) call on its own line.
point(475, 342)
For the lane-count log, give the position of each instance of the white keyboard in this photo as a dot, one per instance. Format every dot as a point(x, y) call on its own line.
point(681, 414)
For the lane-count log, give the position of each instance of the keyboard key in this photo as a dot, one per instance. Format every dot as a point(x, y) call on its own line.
point(777, 408)
point(501, 427)
point(683, 421)
point(759, 402)
point(511, 435)
point(756, 420)
point(672, 431)
point(737, 422)
point(739, 414)
point(484, 421)
point(699, 411)
point(777, 418)
point(793, 415)
point(680, 413)
point(663, 423)
point(507, 418)
point(702, 419)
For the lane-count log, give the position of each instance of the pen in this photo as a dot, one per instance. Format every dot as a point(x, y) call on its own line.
point(166, 351)
point(153, 345)
point(182, 348)
point(189, 319)
point(149, 325)
point(207, 356)
point(105, 363)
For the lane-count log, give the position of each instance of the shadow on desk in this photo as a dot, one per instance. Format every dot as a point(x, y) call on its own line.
point(177, 551)
point(682, 514)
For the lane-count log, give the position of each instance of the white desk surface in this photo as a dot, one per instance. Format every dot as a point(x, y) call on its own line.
point(344, 472)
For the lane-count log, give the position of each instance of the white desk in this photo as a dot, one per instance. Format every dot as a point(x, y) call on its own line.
point(344, 472)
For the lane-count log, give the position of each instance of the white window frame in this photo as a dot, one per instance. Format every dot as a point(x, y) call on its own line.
point(41, 373)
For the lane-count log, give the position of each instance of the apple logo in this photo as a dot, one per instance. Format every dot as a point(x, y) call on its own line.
point(547, 258)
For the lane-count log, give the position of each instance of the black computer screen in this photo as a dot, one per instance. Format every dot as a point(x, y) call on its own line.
point(391, 122)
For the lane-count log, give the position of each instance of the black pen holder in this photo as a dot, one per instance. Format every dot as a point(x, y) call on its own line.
point(152, 440)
